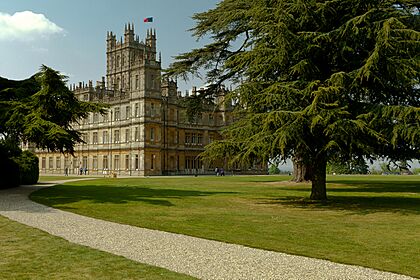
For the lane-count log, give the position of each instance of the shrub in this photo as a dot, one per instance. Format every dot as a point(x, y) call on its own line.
point(28, 168)
point(273, 170)
point(9, 173)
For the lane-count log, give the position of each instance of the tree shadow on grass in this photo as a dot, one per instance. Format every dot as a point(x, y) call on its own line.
point(65, 194)
point(376, 187)
point(354, 204)
point(360, 196)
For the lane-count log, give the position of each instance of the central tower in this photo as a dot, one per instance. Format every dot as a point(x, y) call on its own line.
point(132, 65)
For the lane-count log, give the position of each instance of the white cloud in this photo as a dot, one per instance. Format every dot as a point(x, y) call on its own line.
point(25, 26)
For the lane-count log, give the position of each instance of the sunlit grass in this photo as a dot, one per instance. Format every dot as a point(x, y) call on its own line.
point(371, 221)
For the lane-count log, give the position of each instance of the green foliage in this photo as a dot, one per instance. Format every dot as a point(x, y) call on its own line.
point(352, 166)
point(317, 79)
point(9, 173)
point(41, 110)
point(17, 167)
point(9, 169)
point(273, 169)
point(28, 168)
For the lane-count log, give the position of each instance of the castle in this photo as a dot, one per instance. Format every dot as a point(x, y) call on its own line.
point(146, 130)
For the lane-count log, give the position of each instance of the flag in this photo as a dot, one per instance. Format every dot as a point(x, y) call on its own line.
point(148, 19)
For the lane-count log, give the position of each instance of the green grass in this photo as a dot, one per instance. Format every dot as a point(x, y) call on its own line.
point(28, 253)
point(371, 221)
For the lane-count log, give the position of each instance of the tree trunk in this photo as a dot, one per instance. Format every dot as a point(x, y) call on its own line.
point(319, 188)
point(302, 172)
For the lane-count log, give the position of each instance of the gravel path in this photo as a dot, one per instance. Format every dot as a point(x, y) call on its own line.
point(201, 258)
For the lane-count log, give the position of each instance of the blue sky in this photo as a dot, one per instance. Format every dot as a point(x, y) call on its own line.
point(69, 36)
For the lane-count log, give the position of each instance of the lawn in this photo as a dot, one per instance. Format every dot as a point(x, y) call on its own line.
point(28, 253)
point(371, 221)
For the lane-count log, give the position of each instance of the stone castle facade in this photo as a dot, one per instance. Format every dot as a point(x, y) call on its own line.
point(146, 130)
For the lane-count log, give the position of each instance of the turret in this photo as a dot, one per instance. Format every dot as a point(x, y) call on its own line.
point(151, 39)
point(110, 40)
point(169, 87)
point(129, 33)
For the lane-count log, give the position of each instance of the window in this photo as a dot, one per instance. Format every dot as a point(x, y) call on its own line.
point(105, 137)
point(127, 135)
point(199, 138)
point(137, 82)
point(177, 163)
point(117, 114)
point(50, 162)
point(152, 109)
point(116, 136)
point(187, 138)
point(85, 162)
point(118, 61)
point(58, 162)
point(152, 77)
point(95, 137)
point(105, 162)
point(136, 162)
point(127, 112)
point(85, 138)
point(95, 163)
point(106, 117)
point(152, 163)
point(95, 118)
point(43, 163)
point(75, 165)
point(136, 109)
point(127, 162)
point(171, 114)
point(193, 138)
point(152, 134)
point(136, 134)
point(116, 162)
